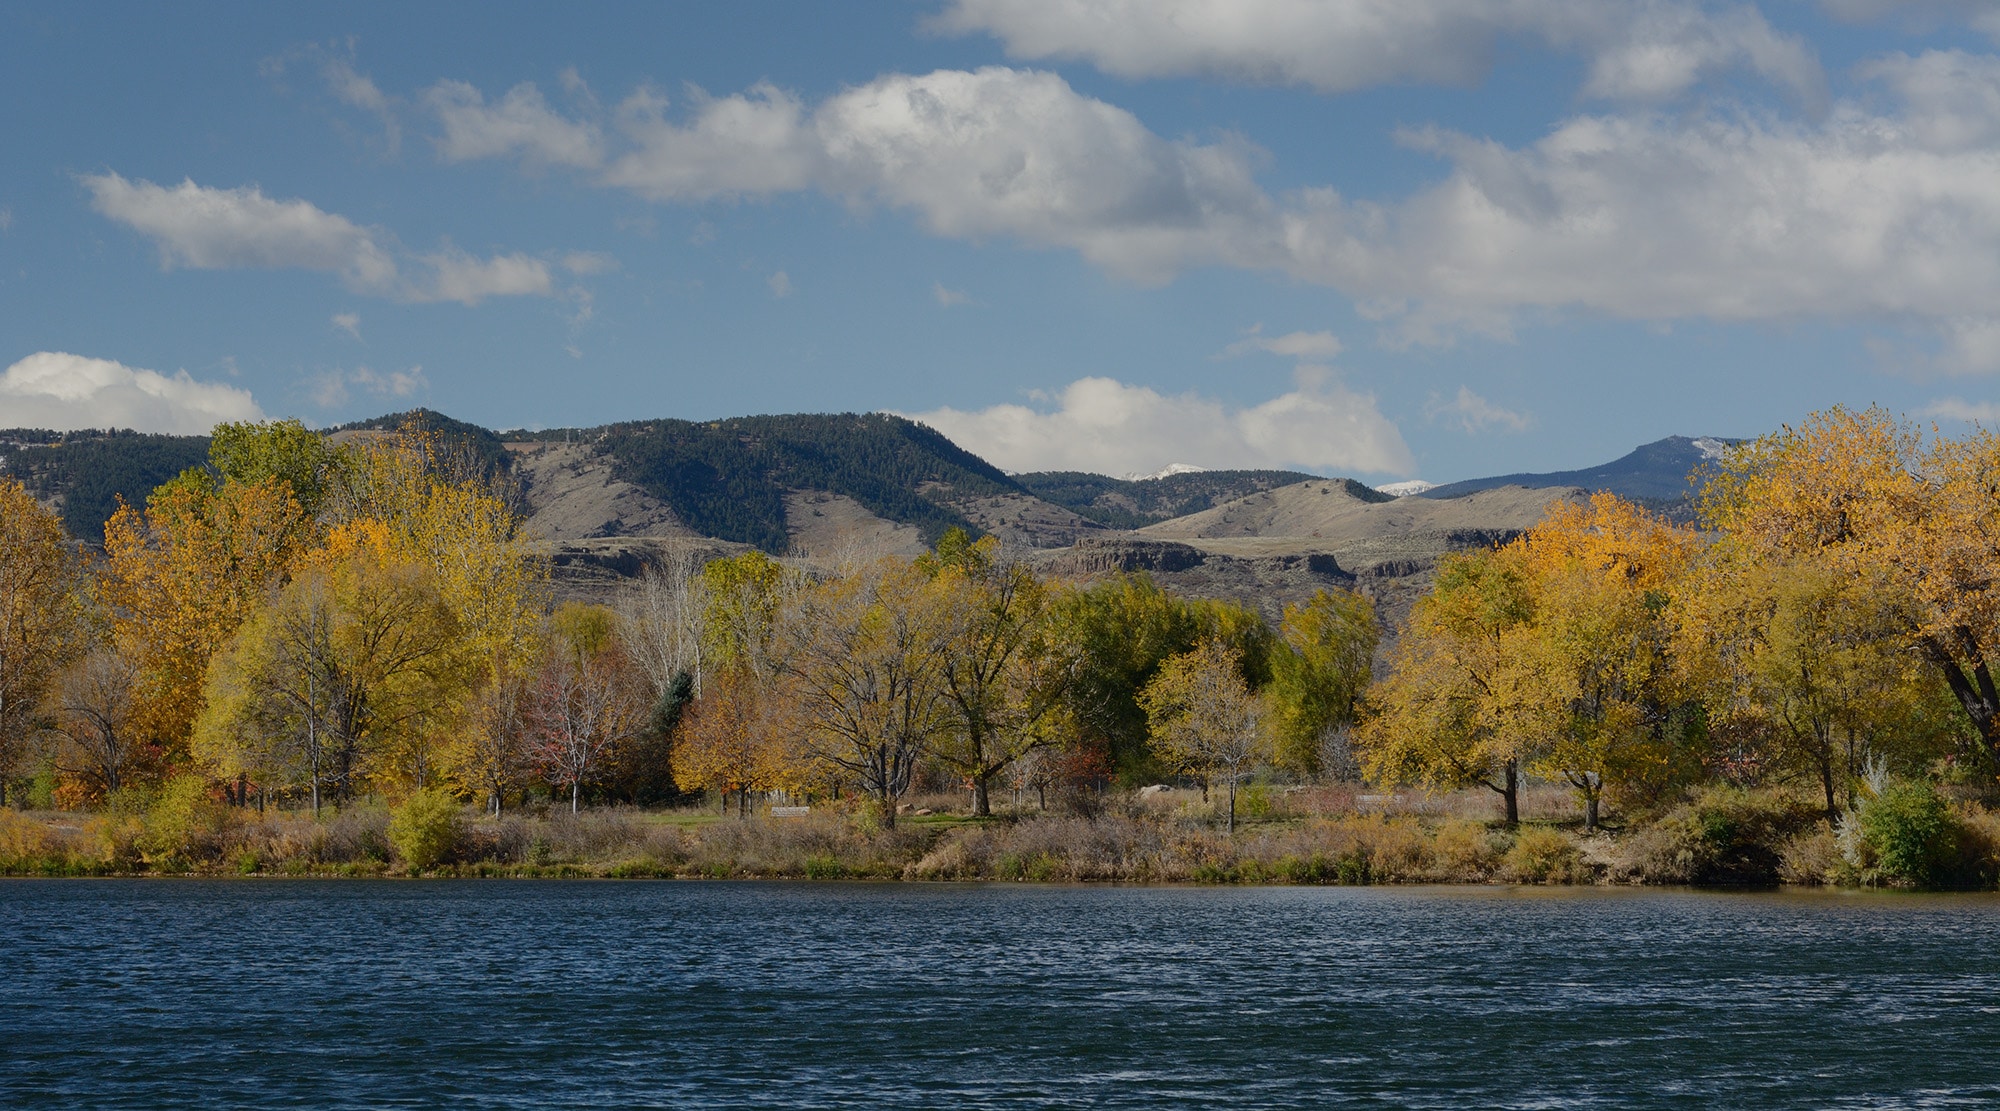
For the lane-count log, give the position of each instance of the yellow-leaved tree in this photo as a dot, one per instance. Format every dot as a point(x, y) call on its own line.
point(43, 615)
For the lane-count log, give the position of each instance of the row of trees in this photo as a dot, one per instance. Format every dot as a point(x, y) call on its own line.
point(968, 663)
point(310, 621)
point(1835, 613)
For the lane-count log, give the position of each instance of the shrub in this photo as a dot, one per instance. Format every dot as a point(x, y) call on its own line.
point(183, 825)
point(1814, 857)
point(1541, 855)
point(1465, 850)
point(23, 841)
point(427, 829)
point(1910, 830)
point(1725, 835)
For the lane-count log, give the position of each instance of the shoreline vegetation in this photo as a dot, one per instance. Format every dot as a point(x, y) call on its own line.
point(342, 658)
point(1329, 835)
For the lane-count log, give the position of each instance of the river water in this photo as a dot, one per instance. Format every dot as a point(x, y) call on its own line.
point(502, 994)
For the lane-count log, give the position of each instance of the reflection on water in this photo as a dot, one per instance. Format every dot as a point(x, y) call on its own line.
point(600, 994)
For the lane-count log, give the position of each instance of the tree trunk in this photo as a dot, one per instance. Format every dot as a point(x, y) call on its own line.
point(1590, 812)
point(575, 789)
point(1232, 805)
point(1509, 791)
point(982, 805)
point(1826, 783)
point(1975, 692)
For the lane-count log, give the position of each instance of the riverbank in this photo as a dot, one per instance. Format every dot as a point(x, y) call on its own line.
point(1318, 836)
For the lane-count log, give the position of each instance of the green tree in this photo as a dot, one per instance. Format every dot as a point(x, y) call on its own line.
point(1319, 673)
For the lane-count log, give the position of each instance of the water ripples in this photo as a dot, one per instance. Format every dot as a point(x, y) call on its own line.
point(584, 994)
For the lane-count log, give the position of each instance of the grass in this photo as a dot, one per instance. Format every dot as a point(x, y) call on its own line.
point(1320, 835)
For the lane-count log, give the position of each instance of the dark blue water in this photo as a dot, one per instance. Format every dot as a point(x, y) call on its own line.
point(155, 994)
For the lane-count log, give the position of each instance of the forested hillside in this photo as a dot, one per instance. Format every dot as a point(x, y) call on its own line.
point(1136, 503)
point(728, 478)
point(87, 472)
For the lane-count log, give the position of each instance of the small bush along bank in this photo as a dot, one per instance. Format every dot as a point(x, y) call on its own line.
point(1908, 836)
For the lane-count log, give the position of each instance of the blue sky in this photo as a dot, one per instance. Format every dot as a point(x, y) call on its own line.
point(1387, 239)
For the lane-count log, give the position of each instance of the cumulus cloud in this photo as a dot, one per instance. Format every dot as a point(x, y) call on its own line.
point(751, 144)
point(1880, 209)
point(1110, 427)
point(1638, 48)
point(206, 228)
point(1293, 345)
point(336, 387)
point(780, 283)
point(946, 298)
point(974, 155)
point(220, 229)
point(1470, 412)
point(520, 124)
point(57, 390)
point(349, 322)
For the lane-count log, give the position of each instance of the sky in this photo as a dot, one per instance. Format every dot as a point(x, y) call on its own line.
point(1391, 239)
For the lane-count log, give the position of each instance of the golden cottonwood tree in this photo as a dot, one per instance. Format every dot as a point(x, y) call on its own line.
point(737, 738)
point(864, 657)
point(1446, 717)
point(1005, 668)
point(42, 616)
point(1204, 718)
point(339, 677)
point(1861, 493)
point(1805, 670)
point(180, 578)
point(1594, 669)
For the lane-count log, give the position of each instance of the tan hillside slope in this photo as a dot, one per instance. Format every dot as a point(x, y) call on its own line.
point(1322, 517)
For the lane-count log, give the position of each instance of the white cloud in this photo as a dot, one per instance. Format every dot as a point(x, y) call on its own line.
point(1292, 345)
point(57, 390)
point(746, 145)
point(1876, 210)
point(1109, 427)
point(6, 219)
point(1003, 152)
point(1470, 412)
point(520, 124)
point(457, 276)
point(349, 322)
point(780, 283)
point(336, 387)
point(946, 298)
point(1638, 48)
point(220, 229)
point(1959, 409)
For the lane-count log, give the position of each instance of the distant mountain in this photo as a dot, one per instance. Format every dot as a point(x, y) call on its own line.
point(730, 478)
point(1123, 503)
point(1656, 473)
